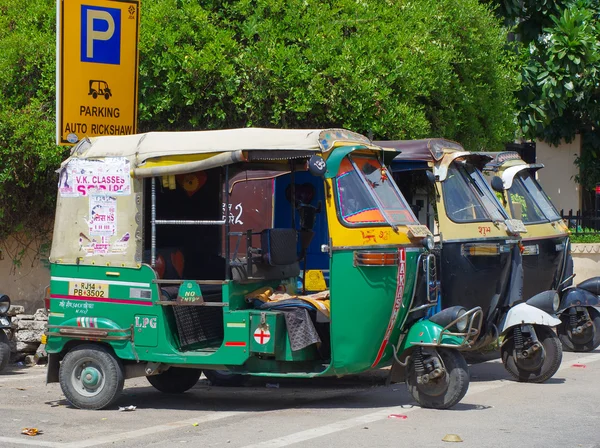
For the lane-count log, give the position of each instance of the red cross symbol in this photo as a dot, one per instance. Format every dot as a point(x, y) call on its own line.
point(262, 336)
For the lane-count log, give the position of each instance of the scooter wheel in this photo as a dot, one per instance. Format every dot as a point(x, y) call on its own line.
point(443, 392)
point(586, 342)
point(225, 379)
point(4, 350)
point(176, 380)
point(539, 368)
point(91, 377)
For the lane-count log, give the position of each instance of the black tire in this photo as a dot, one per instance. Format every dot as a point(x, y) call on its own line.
point(102, 370)
point(586, 342)
point(446, 391)
point(4, 350)
point(537, 369)
point(176, 380)
point(94, 95)
point(225, 379)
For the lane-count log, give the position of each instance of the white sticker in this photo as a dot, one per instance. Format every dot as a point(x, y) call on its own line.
point(81, 177)
point(103, 215)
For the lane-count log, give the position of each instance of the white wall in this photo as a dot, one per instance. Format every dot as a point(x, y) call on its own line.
point(556, 178)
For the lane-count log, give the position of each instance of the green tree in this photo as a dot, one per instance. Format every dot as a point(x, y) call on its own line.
point(559, 47)
point(396, 69)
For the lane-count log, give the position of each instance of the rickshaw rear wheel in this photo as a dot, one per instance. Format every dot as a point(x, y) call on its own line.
point(586, 342)
point(224, 378)
point(176, 380)
point(91, 377)
point(443, 392)
point(539, 368)
point(4, 350)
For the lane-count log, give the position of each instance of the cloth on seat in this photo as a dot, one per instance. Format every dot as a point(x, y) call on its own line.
point(319, 301)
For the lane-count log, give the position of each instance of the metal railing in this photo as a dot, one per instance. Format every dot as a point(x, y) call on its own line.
point(582, 223)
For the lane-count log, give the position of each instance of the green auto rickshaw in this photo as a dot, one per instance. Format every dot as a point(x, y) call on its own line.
point(148, 277)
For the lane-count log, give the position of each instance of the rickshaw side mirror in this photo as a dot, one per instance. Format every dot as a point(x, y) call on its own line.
point(497, 184)
point(430, 176)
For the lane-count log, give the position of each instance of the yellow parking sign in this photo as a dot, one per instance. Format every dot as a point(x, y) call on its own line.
point(97, 68)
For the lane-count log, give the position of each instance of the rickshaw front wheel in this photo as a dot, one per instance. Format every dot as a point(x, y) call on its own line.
point(587, 340)
point(91, 377)
point(541, 365)
point(445, 391)
point(176, 380)
point(225, 379)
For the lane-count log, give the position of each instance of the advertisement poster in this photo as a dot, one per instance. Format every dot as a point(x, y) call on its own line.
point(103, 215)
point(108, 176)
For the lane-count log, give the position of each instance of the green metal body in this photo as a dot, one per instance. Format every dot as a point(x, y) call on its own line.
point(361, 308)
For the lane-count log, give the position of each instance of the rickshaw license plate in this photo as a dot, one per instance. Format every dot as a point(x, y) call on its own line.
point(88, 289)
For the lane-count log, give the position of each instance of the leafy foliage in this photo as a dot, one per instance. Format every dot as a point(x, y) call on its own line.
point(394, 69)
point(560, 59)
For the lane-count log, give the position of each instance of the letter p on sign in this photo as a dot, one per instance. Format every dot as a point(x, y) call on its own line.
point(100, 35)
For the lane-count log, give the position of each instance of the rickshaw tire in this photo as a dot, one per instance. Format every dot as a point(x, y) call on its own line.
point(4, 350)
point(567, 343)
point(222, 379)
point(458, 373)
point(176, 380)
point(551, 364)
point(112, 371)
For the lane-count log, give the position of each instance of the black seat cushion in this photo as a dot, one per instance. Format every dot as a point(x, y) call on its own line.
point(592, 285)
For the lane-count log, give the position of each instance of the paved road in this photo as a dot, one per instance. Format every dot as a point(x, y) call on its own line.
point(348, 412)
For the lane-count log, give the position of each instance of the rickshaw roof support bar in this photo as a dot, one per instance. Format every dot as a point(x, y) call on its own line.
point(153, 225)
point(223, 159)
point(227, 227)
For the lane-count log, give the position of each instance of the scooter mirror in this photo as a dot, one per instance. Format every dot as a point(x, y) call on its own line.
point(497, 184)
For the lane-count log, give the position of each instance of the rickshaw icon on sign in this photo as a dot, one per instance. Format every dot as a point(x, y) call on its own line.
point(98, 87)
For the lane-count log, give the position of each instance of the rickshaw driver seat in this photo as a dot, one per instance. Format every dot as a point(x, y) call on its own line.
point(278, 257)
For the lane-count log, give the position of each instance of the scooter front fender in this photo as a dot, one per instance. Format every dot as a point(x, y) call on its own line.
point(526, 314)
point(578, 297)
point(427, 333)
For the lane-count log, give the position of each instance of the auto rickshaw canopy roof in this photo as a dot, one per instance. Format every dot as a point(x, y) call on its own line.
point(158, 144)
point(437, 153)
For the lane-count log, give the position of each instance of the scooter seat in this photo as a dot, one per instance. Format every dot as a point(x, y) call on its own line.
point(591, 285)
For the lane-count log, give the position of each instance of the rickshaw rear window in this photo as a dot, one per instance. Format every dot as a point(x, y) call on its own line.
point(358, 203)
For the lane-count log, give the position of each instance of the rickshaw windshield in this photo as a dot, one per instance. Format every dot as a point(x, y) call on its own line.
point(467, 196)
point(528, 202)
point(367, 194)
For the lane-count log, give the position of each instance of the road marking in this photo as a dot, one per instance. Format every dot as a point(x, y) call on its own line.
point(214, 416)
point(22, 378)
point(320, 431)
point(30, 441)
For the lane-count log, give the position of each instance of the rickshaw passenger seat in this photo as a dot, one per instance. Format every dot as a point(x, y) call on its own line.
point(279, 246)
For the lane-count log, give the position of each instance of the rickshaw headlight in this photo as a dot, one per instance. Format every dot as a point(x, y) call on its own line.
point(548, 301)
point(4, 304)
point(429, 242)
point(461, 325)
point(445, 317)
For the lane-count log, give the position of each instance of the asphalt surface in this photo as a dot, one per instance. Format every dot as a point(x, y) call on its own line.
point(357, 411)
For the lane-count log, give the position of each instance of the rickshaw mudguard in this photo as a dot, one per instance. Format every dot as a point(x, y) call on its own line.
point(91, 329)
point(425, 332)
point(526, 314)
point(578, 297)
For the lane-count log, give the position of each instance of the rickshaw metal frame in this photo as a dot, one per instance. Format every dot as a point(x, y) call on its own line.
point(470, 336)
